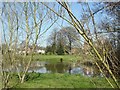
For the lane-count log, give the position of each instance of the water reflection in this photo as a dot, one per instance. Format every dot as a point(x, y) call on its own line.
point(59, 67)
point(88, 71)
point(77, 70)
point(39, 70)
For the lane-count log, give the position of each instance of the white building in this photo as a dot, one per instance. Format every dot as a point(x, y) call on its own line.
point(41, 51)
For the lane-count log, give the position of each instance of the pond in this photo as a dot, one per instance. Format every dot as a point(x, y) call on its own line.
point(60, 67)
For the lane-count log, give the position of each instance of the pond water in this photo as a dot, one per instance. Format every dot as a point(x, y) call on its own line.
point(59, 67)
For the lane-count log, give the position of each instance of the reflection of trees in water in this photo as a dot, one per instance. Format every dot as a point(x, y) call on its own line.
point(50, 67)
point(61, 67)
point(58, 67)
point(96, 71)
point(88, 71)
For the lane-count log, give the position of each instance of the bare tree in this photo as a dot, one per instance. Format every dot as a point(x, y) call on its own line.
point(52, 41)
point(70, 35)
point(21, 21)
point(10, 32)
point(38, 30)
point(79, 27)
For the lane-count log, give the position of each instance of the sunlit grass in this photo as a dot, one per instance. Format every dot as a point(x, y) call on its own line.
point(56, 58)
point(63, 81)
point(51, 58)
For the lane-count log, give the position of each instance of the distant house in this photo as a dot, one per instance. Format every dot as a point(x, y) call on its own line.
point(40, 51)
point(22, 48)
point(37, 49)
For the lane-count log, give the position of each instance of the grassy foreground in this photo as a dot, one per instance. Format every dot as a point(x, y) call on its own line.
point(56, 80)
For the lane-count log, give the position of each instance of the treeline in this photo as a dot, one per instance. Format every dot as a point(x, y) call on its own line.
point(62, 41)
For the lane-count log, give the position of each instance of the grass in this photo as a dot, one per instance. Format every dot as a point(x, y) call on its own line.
point(57, 80)
point(55, 58)
point(0, 80)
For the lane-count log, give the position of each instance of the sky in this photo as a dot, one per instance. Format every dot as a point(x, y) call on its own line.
point(74, 8)
point(77, 11)
point(60, 0)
